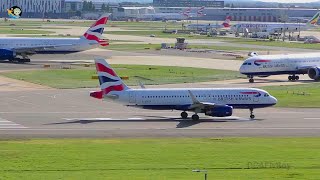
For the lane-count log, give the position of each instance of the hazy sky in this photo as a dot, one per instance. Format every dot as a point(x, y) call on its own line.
point(289, 1)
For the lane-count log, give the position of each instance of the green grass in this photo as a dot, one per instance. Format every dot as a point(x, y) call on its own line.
point(21, 31)
point(224, 158)
point(275, 43)
point(79, 78)
point(292, 96)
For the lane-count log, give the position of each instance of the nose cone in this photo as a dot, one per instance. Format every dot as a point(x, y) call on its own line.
point(242, 69)
point(274, 100)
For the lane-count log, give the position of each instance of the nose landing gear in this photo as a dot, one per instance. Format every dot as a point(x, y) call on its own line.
point(251, 80)
point(252, 116)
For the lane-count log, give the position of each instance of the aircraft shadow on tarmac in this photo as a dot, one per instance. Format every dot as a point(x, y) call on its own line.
point(183, 123)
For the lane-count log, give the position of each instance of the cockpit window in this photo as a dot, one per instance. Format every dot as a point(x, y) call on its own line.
point(246, 64)
point(266, 95)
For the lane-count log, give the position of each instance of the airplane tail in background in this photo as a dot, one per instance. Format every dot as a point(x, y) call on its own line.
point(226, 23)
point(200, 12)
point(94, 33)
point(109, 80)
point(314, 19)
point(187, 12)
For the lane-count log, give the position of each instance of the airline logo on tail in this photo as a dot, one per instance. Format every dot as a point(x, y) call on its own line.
point(314, 19)
point(95, 32)
point(226, 23)
point(109, 80)
point(200, 12)
point(187, 12)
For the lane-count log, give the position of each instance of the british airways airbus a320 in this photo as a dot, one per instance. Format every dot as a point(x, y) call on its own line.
point(215, 102)
point(293, 64)
point(12, 48)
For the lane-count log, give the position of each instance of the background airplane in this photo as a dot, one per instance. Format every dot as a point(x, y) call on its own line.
point(276, 27)
point(216, 102)
point(225, 24)
point(267, 65)
point(174, 16)
point(13, 47)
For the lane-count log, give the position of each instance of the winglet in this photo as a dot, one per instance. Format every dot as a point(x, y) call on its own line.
point(141, 85)
point(194, 99)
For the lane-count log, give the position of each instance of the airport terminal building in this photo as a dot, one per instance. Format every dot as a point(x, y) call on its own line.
point(245, 14)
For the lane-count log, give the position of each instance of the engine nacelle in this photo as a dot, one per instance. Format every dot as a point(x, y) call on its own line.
point(314, 73)
point(6, 54)
point(220, 111)
point(252, 54)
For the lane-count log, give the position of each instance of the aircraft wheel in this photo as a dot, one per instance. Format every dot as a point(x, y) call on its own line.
point(184, 115)
point(297, 78)
point(195, 117)
point(252, 116)
point(290, 78)
point(251, 80)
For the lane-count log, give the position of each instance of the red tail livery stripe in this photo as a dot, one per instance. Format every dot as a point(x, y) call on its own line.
point(103, 68)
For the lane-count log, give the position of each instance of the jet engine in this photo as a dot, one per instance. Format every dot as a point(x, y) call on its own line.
point(314, 73)
point(6, 54)
point(220, 111)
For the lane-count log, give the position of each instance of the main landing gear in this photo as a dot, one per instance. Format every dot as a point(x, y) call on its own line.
point(293, 78)
point(194, 117)
point(252, 116)
point(184, 115)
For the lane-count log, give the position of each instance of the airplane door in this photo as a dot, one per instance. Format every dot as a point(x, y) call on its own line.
point(132, 97)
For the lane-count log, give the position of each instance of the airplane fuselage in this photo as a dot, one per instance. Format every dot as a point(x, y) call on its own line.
point(179, 99)
point(280, 64)
point(71, 44)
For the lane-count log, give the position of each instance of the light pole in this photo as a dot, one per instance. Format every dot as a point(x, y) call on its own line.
point(203, 171)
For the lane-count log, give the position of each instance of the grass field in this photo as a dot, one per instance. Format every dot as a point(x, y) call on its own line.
point(224, 158)
point(23, 31)
point(79, 78)
point(306, 96)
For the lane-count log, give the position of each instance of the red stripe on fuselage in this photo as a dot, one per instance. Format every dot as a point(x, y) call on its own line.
point(249, 92)
point(260, 61)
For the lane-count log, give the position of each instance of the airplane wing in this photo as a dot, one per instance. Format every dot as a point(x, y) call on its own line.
point(196, 104)
point(305, 67)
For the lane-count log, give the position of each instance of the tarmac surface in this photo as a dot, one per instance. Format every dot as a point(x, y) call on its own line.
point(73, 114)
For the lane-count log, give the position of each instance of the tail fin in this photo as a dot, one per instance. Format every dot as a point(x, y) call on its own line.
point(109, 80)
point(314, 19)
point(187, 12)
point(94, 33)
point(226, 23)
point(200, 11)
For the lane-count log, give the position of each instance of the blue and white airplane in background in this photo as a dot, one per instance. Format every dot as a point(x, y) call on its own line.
point(293, 64)
point(215, 102)
point(13, 47)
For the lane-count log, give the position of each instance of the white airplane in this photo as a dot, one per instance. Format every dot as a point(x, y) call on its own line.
point(225, 24)
point(215, 102)
point(13, 47)
point(174, 16)
point(167, 16)
point(276, 27)
point(293, 64)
